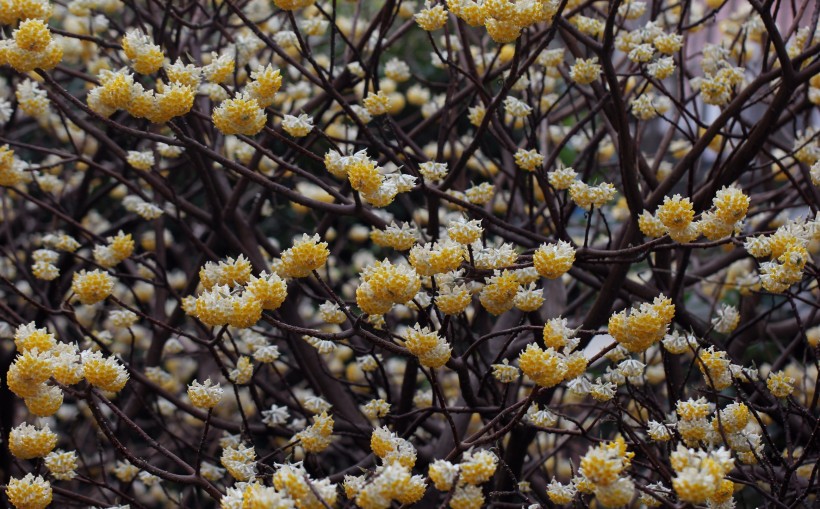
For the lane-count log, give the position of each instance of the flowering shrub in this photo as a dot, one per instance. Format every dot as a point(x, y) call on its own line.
point(319, 254)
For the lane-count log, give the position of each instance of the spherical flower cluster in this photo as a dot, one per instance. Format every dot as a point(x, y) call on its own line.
point(306, 255)
point(28, 337)
point(562, 178)
point(391, 481)
point(298, 127)
point(30, 492)
point(589, 197)
point(431, 17)
point(715, 367)
point(787, 250)
point(105, 373)
point(464, 231)
point(553, 260)
point(27, 441)
point(731, 419)
point(693, 425)
point(146, 57)
point(140, 160)
point(585, 71)
point(529, 299)
point(432, 350)
point(528, 160)
point(316, 437)
point(377, 103)
point(399, 237)
point(10, 167)
point(505, 372)
point(384, 284)
point(266, 82)
point(477, 467)
point(119, 248)
point(545, 367)
point(498, 295)
point(437, 258)
point(230, 272)
point(32, 99)
point(240, 115)
point(644, 326)
point(603, 467)
point(367, 178)
point(452, 299)
point(62, 464)
point(206, 395)
point(31, 47)
point(294, 481)
point(243, 372)
point(433, 171)
point(780, 384)
point(390, 447)
point(267, 289)
point(559, 493)
point(699, 473)
point(726, 320)
point(240, 461)
point(92, 287)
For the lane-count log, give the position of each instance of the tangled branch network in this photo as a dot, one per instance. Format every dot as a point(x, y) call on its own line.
point(326, 254)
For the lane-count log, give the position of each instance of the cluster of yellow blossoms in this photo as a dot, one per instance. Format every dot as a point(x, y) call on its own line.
point(602, 472)
point(375, 185)
point(32, 47)
point(787, 250)
point(233, 296)
point(644, 326)
point(465, 478)
point(393, 480)
point(676, 217)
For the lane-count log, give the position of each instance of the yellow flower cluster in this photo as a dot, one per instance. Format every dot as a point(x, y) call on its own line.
point(715, 367)
point(316, 437)
point(389, 482)
point(240, 461)
point(553, 260)
point(432, 350)
point(146, 57)
point(27, 441)
point(307, 493)
point(503, 20)
point(585, 71)
point(240, 115)
point(399, 237)
point(30, 492)
point(693, 425)
point(699, 475)
point(528, 160)
point(233, 296)
point(31, 47)
point(589, 197)
point(437, 258)
point(603, 466)
point(11, 172)
point(432, 17)
point(375, 187)
point(119, 248)
point(306, 255)
point(206, 395)
point(92, 287)
point(545, 367)
point(384, 285)
point(787, 251)
point(498, 295)
point(642, 327)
